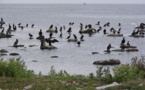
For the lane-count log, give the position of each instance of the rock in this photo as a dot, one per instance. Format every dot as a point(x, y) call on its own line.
point(48, 47)
point(108, 85)
point(6, 36)
point(18, 45)
point(115, 35)
point(32, 45)
point(3, 54)
point(3, 51)
point(90, 30)
point(132, 50)
point(34, 61)
point(107, 62)
point(13, 54)
point(51, 31)
point(95, 52)
point(118, 50)
point(137, 36)
point(54, 56)
point(27, 87)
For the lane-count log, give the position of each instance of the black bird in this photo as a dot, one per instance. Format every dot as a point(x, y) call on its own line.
point(2, 31)
point(60, 35)
point(16, 42)
point(50, 35)
point(31, 36)
point(60, 29)
point(1, 19)
point(69, 30)
point(119, 24)
point(82, 38)
point(123, 41)
point(32, 25)
point(78, 43)
point(19, 24)
point(104, 32)
point(26, 25)
point(51, 26)
point(69, 36)
point(81, 24)
point(98, 23)
point(49, 41)
point(54, 40)
point(75, 36)
point(40, 32)
point(108, 48)
point(128, 44)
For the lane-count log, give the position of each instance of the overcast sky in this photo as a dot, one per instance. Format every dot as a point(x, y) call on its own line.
point(77, 1)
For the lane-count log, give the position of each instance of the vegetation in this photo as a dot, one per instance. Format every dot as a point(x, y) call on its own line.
point(14, 75)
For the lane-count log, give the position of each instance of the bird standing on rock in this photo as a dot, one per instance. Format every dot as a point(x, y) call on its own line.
point(30, 35)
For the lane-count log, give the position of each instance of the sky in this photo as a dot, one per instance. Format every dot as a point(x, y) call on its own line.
point(76, 1)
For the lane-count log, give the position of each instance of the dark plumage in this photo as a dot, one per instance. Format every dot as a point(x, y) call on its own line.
point(40, 32)
point(48, 40)
point(69, 30)
point(123, 41)
point(82, 38)
point(26, 25)
point(108, 48)
point(32, 25)
point(75, 36)
point(68, 36)
point(78, 43)
point(30, 35)
point(50, 35)
point(51, 26)
point(16, 42)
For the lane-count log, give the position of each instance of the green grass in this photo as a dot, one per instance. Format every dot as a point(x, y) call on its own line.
point(15, 76)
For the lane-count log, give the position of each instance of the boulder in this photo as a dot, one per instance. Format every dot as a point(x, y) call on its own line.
point(54, 56)
point(51, 30)
point(18, 45)
point(13, 54)
point(48, 47)
point(90, 30)
point(3, 51)
point(107, 62)
point(132, 50)
point(115, 35)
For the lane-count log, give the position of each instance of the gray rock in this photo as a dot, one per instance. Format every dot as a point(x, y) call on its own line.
point(3, 51)
point(107, 62)
point(13, 54)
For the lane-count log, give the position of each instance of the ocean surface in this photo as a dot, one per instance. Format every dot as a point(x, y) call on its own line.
point(73, 59)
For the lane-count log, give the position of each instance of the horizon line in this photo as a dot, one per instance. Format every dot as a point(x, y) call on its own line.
point(72, 3)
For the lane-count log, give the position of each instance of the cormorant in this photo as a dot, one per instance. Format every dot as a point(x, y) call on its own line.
point(16, 42)
point(81, 38)
point(108, 48)
point(30, 35)
point(40, 32)
point(123, 41)
point(32, 25)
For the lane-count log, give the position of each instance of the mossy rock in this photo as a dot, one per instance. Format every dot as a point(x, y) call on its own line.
point(48, 47)
point(3, 51)
point(13, 54)
point(32, 45)
point(18, 45)
point(95, 52)
point(54, 56)
point(115, 35)
point(118, 50)
point(3, 54)
point(132, 50)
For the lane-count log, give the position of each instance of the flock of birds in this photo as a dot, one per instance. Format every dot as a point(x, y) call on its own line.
point(84, 29)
